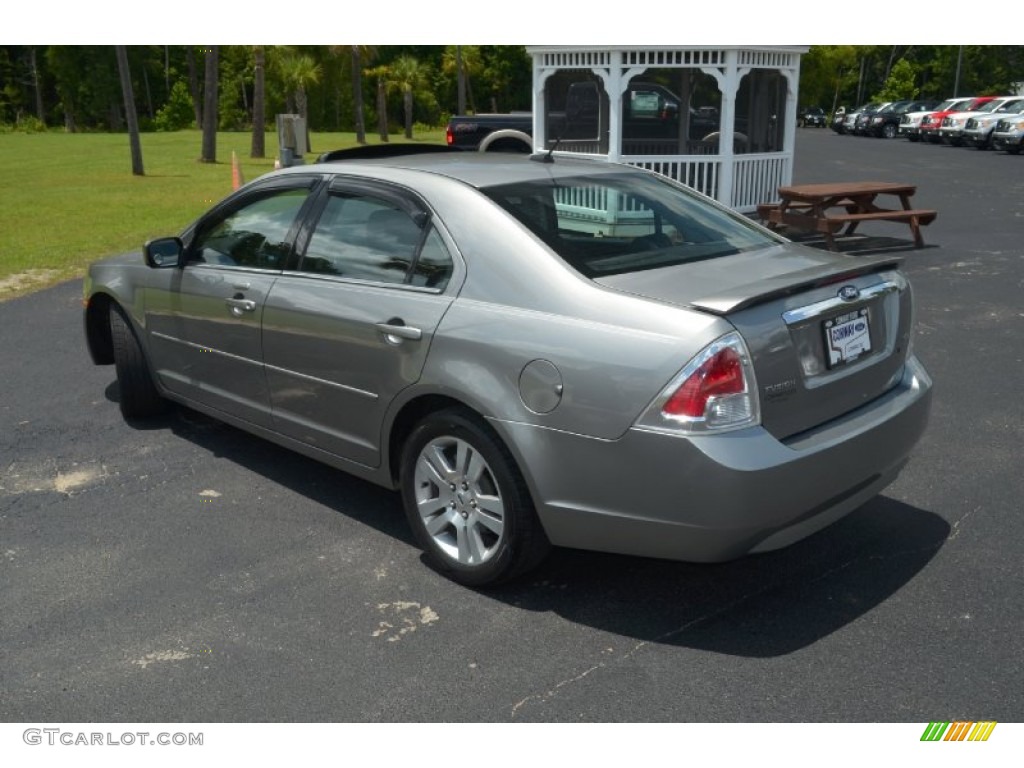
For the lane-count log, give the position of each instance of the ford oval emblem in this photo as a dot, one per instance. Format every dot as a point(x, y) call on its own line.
point(849, 293)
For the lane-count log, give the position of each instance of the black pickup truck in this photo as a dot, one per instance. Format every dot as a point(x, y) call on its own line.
point(496, 132)
point(650, 112)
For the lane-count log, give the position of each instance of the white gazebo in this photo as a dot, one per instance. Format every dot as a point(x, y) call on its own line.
point(721, 119)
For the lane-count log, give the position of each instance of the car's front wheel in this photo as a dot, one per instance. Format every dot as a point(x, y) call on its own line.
point(889, 131)
point(138, 396)
point(467, 502)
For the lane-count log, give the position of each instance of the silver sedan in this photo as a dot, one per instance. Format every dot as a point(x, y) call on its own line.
point(534, 351)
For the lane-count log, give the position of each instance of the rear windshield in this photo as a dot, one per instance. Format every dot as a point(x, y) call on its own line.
point(609, 225)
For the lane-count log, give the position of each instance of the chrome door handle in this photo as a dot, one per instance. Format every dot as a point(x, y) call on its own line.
point(394, 333)
point(238, 306)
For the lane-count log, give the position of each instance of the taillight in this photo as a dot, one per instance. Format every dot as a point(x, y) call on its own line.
point(719, 376)
point(449, 137)
point(716, 391)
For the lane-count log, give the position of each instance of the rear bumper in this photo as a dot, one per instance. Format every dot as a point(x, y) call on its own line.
point(715, 498)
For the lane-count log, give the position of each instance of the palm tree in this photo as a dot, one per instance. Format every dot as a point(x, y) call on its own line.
point(358, 56)
point(37, 84)
point(210, 106)
point(129, 109)
point(464, 61)
point(408, 75)
point(382, 75)
point(259, 110)
point(357, 92)
point(193, 85)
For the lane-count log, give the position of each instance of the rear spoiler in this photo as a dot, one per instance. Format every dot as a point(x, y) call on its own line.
point(748, 295)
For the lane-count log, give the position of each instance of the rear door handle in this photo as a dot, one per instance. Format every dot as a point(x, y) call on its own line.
point(395, 330)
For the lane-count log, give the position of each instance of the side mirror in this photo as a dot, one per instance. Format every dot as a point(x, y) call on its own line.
point(163, 252)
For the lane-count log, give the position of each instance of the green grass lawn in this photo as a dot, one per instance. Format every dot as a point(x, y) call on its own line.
point(69, 199)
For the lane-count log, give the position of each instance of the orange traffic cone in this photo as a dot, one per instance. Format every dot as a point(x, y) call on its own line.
point(236, 172)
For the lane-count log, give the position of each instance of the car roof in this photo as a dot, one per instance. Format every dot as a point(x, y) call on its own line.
point(478, 169)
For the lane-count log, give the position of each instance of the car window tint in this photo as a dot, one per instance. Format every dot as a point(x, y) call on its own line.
point(255, 235)
point(607, 225)
point(363, 238)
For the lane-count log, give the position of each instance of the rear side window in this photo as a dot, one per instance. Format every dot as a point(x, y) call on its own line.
point(368, 238)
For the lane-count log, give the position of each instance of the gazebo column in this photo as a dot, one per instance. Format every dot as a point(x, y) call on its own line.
point(540, 109)
point(789, 126)
point(614, 86)
point(616, 81)
point(728, 85)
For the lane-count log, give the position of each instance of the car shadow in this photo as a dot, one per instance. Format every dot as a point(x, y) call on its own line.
point(761, 605)
point(359, 500)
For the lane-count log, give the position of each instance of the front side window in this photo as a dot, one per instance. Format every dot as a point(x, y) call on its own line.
point(367, 238)
point(608, 225)
point(255, 235)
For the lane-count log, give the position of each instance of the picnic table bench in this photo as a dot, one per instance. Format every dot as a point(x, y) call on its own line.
point(826, 208)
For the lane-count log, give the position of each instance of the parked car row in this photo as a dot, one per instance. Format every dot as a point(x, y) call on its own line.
point(881, 119)
point(979, 121)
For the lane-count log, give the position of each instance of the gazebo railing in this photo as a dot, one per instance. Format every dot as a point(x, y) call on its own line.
point(757, 178)
point(701, 172)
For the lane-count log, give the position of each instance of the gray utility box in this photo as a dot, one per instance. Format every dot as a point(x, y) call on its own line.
point(291, 138)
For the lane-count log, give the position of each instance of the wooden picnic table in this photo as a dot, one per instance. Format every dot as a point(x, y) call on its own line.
point(826, 208)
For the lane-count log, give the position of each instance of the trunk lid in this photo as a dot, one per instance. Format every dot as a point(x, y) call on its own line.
point(827, 333)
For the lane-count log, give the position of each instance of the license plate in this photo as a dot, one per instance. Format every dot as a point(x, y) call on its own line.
point(847, 337)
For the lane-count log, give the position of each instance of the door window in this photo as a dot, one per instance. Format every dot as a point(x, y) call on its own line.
point(368, 238)
point(255, 235)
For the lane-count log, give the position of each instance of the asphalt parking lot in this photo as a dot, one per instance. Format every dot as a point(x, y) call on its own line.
point(183, 571)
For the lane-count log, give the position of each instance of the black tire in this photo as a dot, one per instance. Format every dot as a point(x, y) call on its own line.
point(888, 131)
point(476, 523)
point(139, 397)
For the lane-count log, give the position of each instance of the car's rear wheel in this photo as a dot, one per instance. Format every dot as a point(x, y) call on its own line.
point(467, 502)
point(889, 131)
point(138, 395)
